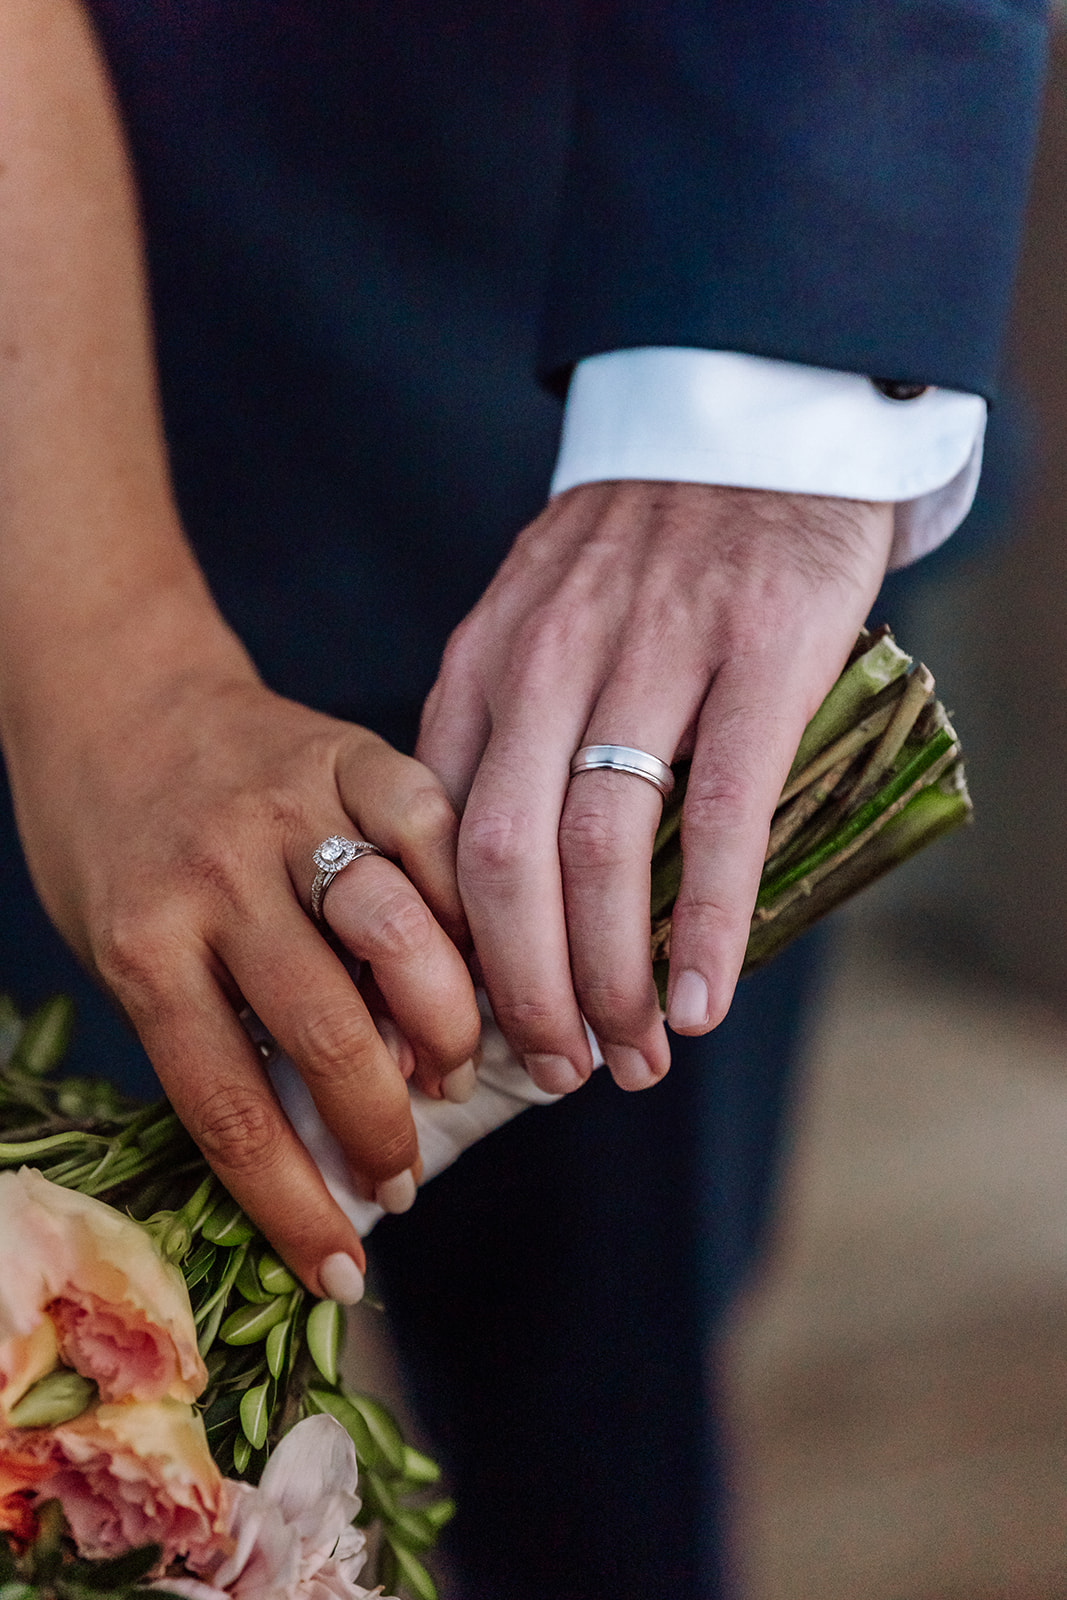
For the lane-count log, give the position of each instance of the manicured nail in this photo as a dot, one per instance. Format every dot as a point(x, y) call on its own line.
point(688, 1008)
point(628, 1066)
point(553, 1074)
point(458, 1086)
point(341, 1279)
point(397, 1194)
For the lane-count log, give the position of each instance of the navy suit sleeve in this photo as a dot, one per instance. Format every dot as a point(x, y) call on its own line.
point(837, 182)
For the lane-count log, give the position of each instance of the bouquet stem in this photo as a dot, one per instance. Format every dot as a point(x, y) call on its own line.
point(878, 776)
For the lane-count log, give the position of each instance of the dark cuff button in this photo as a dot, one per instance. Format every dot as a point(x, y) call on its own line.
point(894, 389)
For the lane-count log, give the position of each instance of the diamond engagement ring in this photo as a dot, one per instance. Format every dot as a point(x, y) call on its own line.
point(333, 856)
point(622, 758)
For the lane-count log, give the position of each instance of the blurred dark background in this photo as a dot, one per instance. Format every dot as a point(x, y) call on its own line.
point(898, 1376)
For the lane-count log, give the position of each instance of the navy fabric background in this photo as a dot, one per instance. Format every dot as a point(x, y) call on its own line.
point(364, 222)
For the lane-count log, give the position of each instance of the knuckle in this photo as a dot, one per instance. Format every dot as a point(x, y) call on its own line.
point(589, 836)
point(237, 1129)
point(333, 1042)
point(428, 814)
point(494, 844)
point(553, 634)
point(704, 910)
point(708, 807)
point(527, 1018)
point(135, 955)
point(619, 1010)
point(398, 927)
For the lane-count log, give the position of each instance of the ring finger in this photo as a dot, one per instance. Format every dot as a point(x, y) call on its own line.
point(606, 834)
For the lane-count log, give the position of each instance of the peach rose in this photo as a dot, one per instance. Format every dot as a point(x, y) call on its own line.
point(125, 1475)
point(82, 1284)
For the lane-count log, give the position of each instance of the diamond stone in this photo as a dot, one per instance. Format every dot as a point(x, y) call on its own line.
point(332, 850)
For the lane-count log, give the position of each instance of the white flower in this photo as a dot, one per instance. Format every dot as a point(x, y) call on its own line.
point(292, 1537)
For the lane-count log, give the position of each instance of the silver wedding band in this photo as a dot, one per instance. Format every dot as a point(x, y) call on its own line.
point(333, 856)
point(622, 758)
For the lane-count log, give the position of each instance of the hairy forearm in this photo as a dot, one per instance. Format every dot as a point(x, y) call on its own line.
point(98, 579)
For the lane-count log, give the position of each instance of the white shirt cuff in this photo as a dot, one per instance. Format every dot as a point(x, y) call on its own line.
point(714, 416)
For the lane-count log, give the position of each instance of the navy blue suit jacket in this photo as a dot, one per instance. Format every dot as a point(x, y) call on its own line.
point(372, 225)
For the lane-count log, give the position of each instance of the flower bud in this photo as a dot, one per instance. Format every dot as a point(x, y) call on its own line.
point(172, 1235)
point(60, 1397)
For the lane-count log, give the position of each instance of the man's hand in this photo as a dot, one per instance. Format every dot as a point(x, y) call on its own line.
point(677, 618)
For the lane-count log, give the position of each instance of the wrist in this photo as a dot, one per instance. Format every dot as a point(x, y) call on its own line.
point(132, 654)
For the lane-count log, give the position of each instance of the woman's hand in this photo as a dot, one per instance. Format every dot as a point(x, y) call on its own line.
point(170, 834)
point(169, 804)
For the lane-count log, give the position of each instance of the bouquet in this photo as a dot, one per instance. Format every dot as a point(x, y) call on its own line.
point(172, 1419)
point(171, 1413)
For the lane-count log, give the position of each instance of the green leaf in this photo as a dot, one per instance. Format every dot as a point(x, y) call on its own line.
point(412, 1529)
point(45, 1037)
point(248, 1284)
point(275, 1278)
point(242, 1454)
point(387, 1437)
point(226, 1224)
point(249, 1324)
point(210, 1313)
point(276, 1342)
point(221, 1414)
point(199, 1264)
point(418, 1468)
point(59, 1397)
point(18, 1591)
point(241, 1374)
point(325, 1330)
point(337, 1406)
point(409, 1573)
point(378, 1496)
point(255, 1413)
point(88, 1100)
point(439, 1513)
point(123, 1570)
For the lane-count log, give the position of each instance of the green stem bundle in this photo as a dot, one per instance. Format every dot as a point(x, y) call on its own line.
point(878, 776)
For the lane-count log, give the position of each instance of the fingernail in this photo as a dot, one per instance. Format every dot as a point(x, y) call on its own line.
point(341, 1279)
point(688, 1009)
point(628, 1066)
point(397, 1194)
point(458, 1086)
point(553, 1074)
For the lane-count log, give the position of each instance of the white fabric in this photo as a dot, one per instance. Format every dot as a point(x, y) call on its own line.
point(444, 1130)
point(712, 416)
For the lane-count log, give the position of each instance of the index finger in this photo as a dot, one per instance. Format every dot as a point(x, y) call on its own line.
point(216, 1083)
